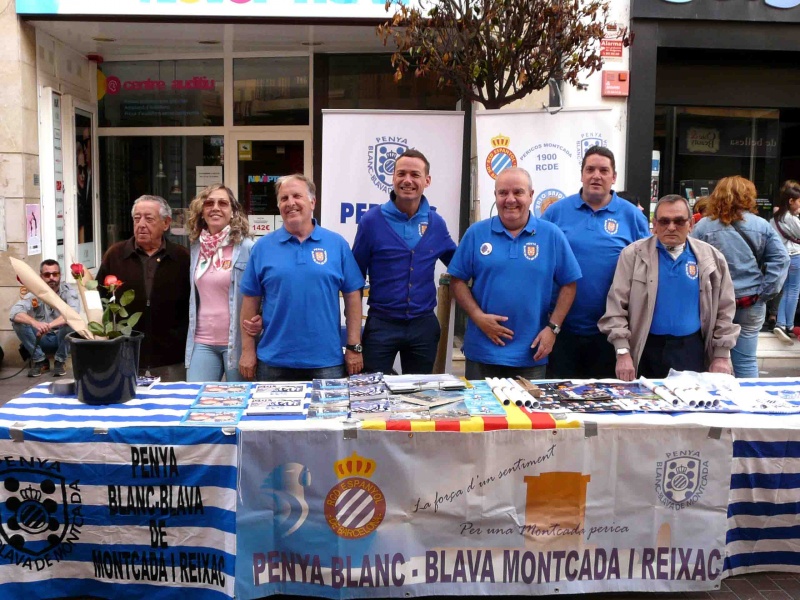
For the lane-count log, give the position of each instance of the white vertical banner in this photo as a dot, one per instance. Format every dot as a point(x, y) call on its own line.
point(359, 149)
point(549, 146)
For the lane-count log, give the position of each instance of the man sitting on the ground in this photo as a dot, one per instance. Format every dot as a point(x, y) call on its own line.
point(32, 319)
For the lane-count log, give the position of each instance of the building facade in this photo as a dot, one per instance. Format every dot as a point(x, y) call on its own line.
point(105, 102)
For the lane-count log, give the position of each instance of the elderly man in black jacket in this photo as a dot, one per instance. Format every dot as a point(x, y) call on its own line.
point(158, 270)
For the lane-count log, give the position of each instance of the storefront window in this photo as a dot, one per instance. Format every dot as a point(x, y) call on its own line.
point(366, 81)
point(700, 145)
point(165, 93)
point(174, 167)
point(271, 91)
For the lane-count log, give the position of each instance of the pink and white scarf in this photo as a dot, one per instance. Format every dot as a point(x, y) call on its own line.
point(211, 246)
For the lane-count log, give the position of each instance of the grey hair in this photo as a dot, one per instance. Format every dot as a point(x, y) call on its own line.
point(519, 170)
point(671, 199)
point(164, 209)
point(312, 189)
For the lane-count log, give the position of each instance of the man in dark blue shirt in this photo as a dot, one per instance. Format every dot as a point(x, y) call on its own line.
point(397, 244)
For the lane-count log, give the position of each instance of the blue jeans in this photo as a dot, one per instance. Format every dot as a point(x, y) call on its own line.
point(53, 342)
point(791, 291)
point(743, 354)
point(208, 364)
point(264, 372)
point(416, 340)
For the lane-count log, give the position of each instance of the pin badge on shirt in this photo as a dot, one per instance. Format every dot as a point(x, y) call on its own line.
point(486, 249)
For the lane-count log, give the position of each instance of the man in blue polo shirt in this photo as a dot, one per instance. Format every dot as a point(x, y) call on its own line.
point(295, 275)
point(516, 263)
point(672, 303)
point(598, 225)
point(397, 244)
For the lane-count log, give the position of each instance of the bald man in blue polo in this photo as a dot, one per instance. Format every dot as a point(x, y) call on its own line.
point(516, 263)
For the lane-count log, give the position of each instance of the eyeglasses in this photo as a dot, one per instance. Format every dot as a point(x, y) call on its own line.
point(220, 203)
point(48, 275)
point(665, 222)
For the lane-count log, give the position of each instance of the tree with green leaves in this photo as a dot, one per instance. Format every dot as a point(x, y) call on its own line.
point(497, 51)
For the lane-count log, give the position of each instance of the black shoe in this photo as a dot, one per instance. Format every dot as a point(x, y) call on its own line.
point(39, 368)
point(59, 369)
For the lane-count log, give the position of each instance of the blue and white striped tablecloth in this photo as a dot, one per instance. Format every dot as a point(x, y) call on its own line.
point(115, 502)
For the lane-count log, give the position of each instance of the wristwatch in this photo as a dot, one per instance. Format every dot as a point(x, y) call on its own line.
point(355, 348)
point(622, 351)
point(556, 328)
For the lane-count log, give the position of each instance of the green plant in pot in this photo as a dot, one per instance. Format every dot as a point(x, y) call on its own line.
point(106, 367)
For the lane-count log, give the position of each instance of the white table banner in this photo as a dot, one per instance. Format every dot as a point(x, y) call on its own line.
point(502, 512)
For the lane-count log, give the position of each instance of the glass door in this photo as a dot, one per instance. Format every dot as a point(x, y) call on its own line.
point(78, 223)
point(258, 162)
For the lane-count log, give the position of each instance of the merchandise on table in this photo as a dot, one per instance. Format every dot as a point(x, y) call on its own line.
point(297, 405)
point(360, 379)
point(331, 384)
point(146, 382)
point(220, 401)
point(212, 417)
point(287, 389)
point(323, 411)
point(453, 411)
point(225, 388)
point(412, 383)
point(369, 392)
point(432, 398)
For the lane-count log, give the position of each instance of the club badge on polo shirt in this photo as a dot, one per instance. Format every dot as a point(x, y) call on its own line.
point(486, 248)
point(530, 250)
point(423, 227)
point(691, 270)
point(319, 256)
point(611, 226)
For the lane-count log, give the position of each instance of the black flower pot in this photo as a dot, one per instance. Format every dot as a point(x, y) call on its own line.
point(105, 370)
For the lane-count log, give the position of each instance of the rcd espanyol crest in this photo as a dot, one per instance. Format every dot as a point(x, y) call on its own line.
point(381, 159)
point(691, 270)
point(500, 158)
point(611, 226)
point(530, 250)
point(34, 513)
point(355, 506)
point(681, 479)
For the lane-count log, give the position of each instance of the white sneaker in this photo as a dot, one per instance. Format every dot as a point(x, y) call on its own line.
point(782, 336)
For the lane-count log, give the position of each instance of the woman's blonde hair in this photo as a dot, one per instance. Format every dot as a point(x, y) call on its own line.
point(732, 196)
point(240, 227)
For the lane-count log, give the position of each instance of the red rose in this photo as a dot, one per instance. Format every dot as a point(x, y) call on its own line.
point(77, 270)
point(111, 280)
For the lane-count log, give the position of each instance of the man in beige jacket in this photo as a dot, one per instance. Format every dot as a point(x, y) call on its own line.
point(671, 303)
